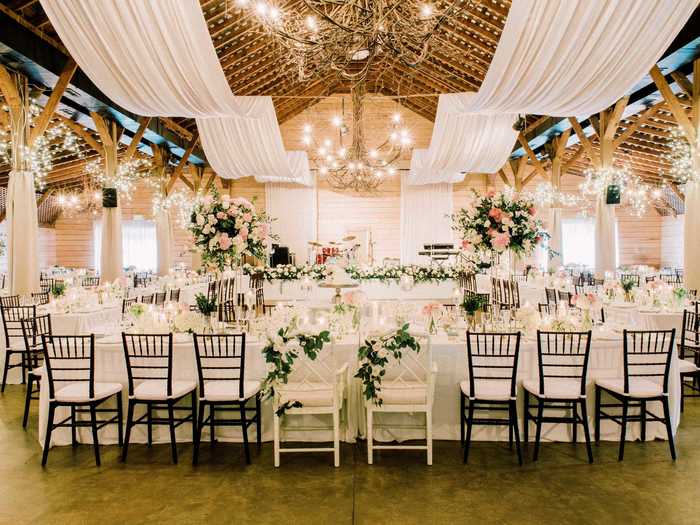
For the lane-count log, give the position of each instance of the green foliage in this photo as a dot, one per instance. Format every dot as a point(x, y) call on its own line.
point(375, 354)
point(204, 305)
point(58, 289)
point(628, 284)
point(473, 302)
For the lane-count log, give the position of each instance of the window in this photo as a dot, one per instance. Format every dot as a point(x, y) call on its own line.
point(578, 241)
point(139, 247)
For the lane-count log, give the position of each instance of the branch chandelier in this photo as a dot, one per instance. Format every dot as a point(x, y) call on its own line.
point(349, 37)
point(356, 167)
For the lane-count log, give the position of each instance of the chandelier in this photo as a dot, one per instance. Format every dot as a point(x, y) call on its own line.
point(356, 167)
point(349, 36)
point(87, 198)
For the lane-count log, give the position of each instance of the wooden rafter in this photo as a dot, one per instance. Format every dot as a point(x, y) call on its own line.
point(42, 121)
point(177, 172)
point(672, 101)
point(583, 139)
point(539, 168)
point(136, 140)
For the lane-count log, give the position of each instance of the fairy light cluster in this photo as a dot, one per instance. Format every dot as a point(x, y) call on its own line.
point(57, 140)
point(683, 158)
point(179, 202)
point(547, 195)
point(128, 173)
point(635, 193)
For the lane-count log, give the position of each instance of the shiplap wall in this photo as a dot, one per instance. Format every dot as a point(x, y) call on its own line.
point(340, 212)
point(47, 247)
point(672, 241)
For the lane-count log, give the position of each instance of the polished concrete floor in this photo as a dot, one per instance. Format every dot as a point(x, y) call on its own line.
point(399, 488)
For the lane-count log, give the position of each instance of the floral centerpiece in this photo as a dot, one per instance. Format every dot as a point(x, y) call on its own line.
point(472, 305)
point(226, 228)
point(586, 302)
point(497, 222)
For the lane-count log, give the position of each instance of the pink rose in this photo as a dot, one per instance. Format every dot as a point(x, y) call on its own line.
point(247, 217)
point(220, 215)
point(243, 232)
point(491, 232)
point(496, 214)
point(533, 211)
point(500, 241)
point(490, 192)
point(465, 244)
point(225, 241)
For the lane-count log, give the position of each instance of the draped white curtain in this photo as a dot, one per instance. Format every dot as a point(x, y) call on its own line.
point(691, 236)
point(111, 251)
point(164, 239)
point(156, 58)
point(605, 238)
point(555, 238)
point(578, 241)
point(22, 234)
point(293, 209)
point(425, 212)
point(555, 57)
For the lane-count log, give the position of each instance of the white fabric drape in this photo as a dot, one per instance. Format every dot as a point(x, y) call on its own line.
point(111, 244)
point(555, 57)
point(294, 214)
point(22, 234)
point(425, 218)
point(156, 58)
point(691, 236)
point(555, 238)
point(605, 238)
point(164, 239)
point(421, 172)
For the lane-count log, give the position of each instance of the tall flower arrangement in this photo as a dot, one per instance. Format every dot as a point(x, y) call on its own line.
point(497, 222)
point(227, 228)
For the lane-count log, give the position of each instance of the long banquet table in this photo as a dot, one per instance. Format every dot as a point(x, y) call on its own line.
point(449, 355)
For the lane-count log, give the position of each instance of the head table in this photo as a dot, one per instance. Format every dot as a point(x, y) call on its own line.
point(449, 354)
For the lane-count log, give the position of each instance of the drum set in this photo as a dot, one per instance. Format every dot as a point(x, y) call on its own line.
point(345, 251)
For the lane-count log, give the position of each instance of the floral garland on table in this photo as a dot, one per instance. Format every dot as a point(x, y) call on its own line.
point(225, 229)
point(375, 354)
point(319, 272)
point(497, 222)
point(281, 350)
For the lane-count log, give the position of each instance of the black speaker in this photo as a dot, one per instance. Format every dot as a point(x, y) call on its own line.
point(280, 256)
point(109, 197)
point(612, 194)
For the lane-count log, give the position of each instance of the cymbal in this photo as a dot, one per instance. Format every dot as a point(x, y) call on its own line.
point(349, 238)
point(334, 243)
point(315, 243)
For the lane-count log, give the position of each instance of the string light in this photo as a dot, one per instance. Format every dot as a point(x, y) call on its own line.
point(683, 158)
point(127, 174)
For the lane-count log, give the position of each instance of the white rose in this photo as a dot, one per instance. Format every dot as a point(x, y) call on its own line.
point(200, 220)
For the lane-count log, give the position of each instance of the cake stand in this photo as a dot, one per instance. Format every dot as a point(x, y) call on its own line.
point(337, 299)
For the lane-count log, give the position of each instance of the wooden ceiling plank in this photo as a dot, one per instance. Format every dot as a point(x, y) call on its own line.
point(641, 119)
point(136, 140)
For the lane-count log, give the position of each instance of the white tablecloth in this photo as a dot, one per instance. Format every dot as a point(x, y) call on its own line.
point(450, 356)
point(374, 290)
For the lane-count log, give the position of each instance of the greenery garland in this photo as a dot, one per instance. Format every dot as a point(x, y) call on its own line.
point(319, 272)
point(374, 355)
point(280, 354)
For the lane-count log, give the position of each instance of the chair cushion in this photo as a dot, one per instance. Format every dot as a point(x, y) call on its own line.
point(38, 372)
point(638, 386)
point(157, 389)
point(407, 393)
point(488, 390)
point(320, 395)
point(229, 390)
point(555, 388)
point(687, 367)
point(78, 392)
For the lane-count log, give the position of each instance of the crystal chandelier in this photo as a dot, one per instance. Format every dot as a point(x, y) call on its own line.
point(349, 36)
point(356, 167)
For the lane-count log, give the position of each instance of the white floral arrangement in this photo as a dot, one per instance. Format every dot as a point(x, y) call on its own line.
point(225, 229)
point(188, 321)
point(528, 317)
point(586, 301)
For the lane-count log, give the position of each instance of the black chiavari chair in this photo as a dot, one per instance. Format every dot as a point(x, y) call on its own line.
point(562, 359)
point(149, 366)
point(33, 329)
point(520, 278)
point(147, 299)
point(551, 295)
point(689, 345)
point(14, 339)
point(90, 282)
point(256, 283)
point(212, 291)
point(224, 388)
point(227, 312)
point(142, 280)
point(41, 298)
point(647, 362)
point(69, 363)
point(9, 300)
point(493, 366)
point(175, 295)
point(565, 297)
point(514, 293)
point(650, 278)
point(45, 285)
point(159, 298)
point(126, 304)
point(547, 309)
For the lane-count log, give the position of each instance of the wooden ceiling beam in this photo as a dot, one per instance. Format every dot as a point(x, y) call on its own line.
point(631, 129)
point(583, 139)
point(177, 172)
point(136, 139)
point(83, 133)
point(41, 123)
point(673, 104)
